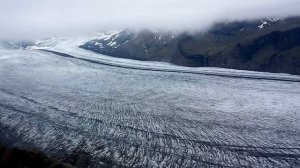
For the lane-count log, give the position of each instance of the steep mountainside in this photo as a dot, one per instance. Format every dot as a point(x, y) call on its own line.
point(17, 158)
point(271, 45)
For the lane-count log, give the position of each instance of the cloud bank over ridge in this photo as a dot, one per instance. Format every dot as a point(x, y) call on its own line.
point(33, 18)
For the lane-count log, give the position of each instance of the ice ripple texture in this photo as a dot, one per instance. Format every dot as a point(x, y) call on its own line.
point(124, 117)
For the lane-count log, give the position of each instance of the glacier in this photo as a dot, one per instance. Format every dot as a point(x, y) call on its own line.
point(65, 100)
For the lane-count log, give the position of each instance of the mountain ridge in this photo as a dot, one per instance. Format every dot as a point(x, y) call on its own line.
point(245, 45)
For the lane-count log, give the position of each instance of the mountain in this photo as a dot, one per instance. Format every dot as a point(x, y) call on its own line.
point(15, 44)
point(271, 45)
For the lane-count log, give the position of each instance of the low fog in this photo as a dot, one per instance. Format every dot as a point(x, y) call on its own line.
point(39, 18)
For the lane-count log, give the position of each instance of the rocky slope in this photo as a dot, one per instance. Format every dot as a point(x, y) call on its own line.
point(17, 158)
point(271, 45)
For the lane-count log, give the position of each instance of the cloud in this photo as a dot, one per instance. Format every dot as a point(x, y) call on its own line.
point(33, 18)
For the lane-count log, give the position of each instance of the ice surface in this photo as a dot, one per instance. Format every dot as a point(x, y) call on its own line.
point(147, 114)
point(70, 46)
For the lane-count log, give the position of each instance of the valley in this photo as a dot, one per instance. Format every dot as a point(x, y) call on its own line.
point(94, 110)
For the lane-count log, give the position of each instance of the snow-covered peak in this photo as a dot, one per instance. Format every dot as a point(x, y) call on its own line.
point(110, 39)
point(267, 22)
point(108, 35)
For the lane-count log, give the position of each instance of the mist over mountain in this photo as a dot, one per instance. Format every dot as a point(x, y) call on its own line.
point(35, 18)
point(259, 36)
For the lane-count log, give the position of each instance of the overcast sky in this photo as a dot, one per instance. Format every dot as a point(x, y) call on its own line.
point(33, 18)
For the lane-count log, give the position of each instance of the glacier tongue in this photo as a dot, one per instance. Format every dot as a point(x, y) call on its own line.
point(70, 102)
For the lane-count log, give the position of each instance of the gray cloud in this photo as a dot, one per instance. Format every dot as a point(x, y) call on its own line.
point(32, 18)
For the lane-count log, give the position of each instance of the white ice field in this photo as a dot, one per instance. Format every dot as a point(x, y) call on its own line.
point(146, 114)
